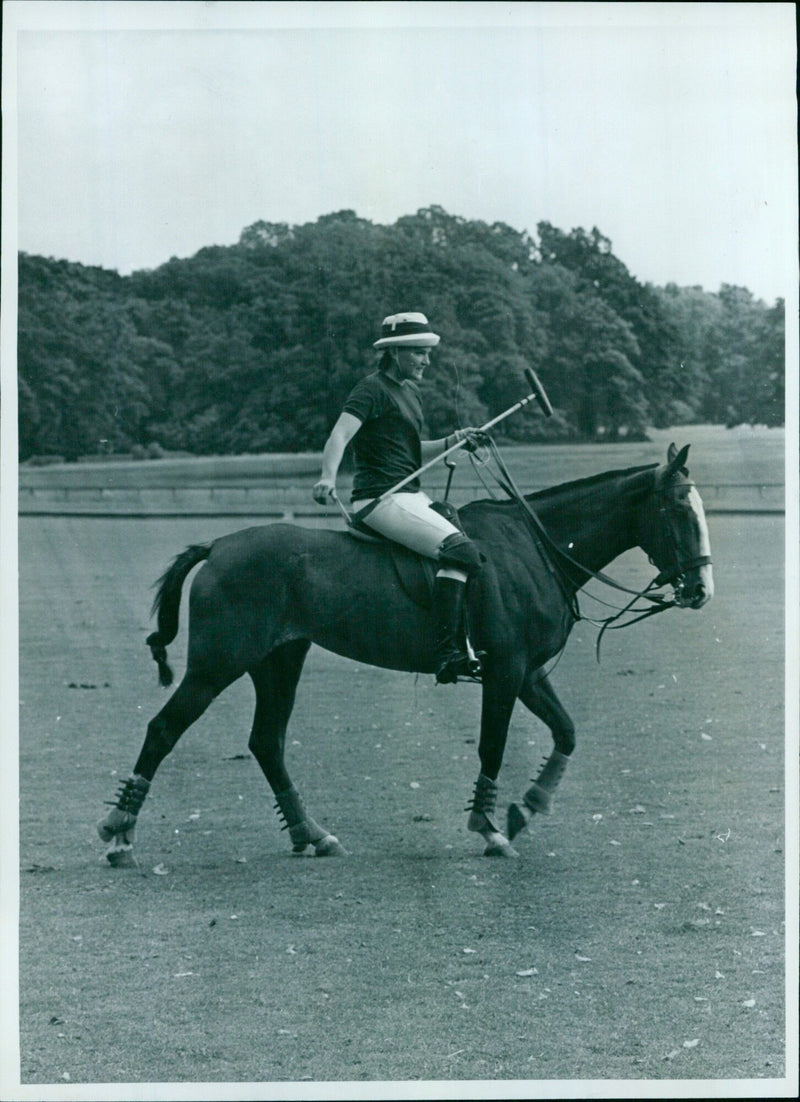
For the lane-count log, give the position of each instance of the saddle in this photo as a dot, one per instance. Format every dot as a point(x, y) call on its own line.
point(415, 573)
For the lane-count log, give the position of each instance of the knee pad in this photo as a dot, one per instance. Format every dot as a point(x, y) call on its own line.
point(448, 511)
point(458, 551)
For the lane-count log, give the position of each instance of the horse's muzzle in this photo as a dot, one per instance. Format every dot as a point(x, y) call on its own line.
point(695, 588)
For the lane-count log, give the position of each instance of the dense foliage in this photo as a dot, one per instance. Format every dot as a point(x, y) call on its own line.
point(254, 347)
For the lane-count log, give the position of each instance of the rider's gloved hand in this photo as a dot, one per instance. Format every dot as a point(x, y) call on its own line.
point(475, 439)
point(323, 491)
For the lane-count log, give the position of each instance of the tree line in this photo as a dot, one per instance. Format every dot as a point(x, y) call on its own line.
point(253, 347)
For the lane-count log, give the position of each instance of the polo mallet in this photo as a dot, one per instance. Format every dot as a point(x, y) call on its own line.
point(537, 392)
point(537, 395)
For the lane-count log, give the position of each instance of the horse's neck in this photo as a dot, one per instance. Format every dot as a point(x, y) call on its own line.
point(595, 523)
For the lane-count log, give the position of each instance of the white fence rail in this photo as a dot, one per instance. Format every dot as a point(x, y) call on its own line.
point(294, 502)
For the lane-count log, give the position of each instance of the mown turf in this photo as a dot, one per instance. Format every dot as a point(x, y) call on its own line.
point(639, 935)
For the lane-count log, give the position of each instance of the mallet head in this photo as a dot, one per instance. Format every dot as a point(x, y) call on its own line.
point(538, 392)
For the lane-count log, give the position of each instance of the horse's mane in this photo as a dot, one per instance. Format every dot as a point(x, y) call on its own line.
point(578, 488)
point(579, 485)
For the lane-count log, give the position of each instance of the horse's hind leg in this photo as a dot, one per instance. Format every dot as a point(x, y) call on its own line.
point(187, 703)
point(539, 697)
point(275, 680)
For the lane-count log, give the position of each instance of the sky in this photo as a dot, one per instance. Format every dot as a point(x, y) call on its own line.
point(150, 130)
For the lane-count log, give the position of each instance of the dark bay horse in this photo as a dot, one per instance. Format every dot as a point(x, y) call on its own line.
point(265, 594)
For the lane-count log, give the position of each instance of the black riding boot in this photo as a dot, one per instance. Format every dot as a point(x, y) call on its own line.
point(452, 660)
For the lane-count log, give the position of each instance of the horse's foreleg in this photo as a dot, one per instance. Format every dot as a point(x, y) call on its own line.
point(119, 826)
point(275, 680)
point(303, 830)
point(496, 708)
point(539, 697)
point(186, 704)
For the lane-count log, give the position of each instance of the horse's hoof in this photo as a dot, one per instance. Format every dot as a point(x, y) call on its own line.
point(497, 845)
point(500, 849)
point(121, 857)
point(329, 846)
point(518, 819)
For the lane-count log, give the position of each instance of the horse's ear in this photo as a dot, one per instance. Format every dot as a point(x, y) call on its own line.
point(677, 460)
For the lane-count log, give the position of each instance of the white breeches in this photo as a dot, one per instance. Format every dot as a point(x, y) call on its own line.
point(408, 519)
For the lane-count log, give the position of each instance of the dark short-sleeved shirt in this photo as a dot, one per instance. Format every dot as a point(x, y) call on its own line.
point(387, 446)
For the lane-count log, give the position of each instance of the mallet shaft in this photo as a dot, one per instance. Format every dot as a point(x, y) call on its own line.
point(537, 395)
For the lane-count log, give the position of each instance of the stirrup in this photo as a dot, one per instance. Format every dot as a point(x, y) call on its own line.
point(460, 667)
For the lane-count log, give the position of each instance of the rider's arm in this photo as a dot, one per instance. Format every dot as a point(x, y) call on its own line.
point(431, 448)
point(341, 434)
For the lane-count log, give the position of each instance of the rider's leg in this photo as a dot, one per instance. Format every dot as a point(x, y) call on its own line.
point(409, 520)
point(459, 560)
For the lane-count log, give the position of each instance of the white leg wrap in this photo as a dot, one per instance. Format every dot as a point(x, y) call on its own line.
point(539, 796)
point(303, 831)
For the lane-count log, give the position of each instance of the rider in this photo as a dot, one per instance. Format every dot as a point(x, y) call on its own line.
point(383, 417)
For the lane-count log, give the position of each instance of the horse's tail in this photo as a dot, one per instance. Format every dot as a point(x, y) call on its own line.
point(167, 605)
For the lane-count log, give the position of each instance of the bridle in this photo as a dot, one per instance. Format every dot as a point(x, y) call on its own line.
point(674, 574)
point(560, 562)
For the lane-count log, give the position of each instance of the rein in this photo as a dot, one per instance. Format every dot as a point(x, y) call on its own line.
point(557, 558)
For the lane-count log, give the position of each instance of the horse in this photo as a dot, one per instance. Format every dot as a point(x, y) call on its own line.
point(265, 594)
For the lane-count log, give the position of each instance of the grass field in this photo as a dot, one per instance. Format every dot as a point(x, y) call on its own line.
point(738, 468)
point(641, 934)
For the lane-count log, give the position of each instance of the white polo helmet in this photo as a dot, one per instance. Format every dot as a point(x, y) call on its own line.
point(406, 331)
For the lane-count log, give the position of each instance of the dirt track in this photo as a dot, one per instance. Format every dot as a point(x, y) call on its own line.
point(639, 935)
